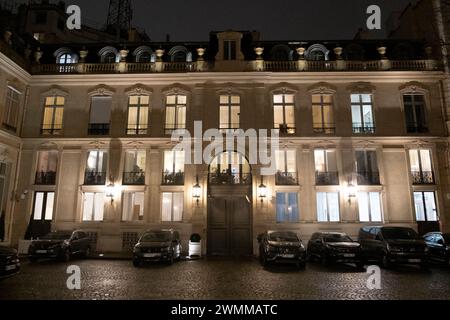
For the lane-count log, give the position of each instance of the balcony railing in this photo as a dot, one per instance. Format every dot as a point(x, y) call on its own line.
point(134, 130)
point(329, 178)
point(368, 178)
point(227, 178)
point(416, 128)
point(45, 178)
point(326, 128)
point(94, 178)
point(173, 178)
point(286, 178)
point(133, 178)
point(423, 177)
point(51, 129)
point(98, 129)
point(287, 128)
point(364, 128)
point(249, 65)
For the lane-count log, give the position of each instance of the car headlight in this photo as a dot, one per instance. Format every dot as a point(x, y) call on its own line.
point(136, 249)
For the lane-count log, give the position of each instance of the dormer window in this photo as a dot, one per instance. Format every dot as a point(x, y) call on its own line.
point(65, 58)
point(229, 50)
point(109, 57)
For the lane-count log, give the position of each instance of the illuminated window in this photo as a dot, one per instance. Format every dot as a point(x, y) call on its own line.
point(175, 113)
point(134, 171)
point(362, 113)
point(172, 207)
point(283, 108)
point(326, 167)
point(93, 206)
point(421, 166)
point(46, 167)
point(287, 207)
point(173, 168)
point(138, 107)
point(95, 173)
point(286, 167)
point(53, 115)
point(43, 206)
point(100, 115)
point(12, 108)
point(425, 204)
point(229, 111)
point(322, 110)
point(133, 206)
point(328, 207)
point(369, 205)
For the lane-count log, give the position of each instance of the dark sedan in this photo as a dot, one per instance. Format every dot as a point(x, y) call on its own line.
point(281, 247)
point(334, 247)
point(157, 245)
point(438, 244)
point(9, 262)
point(60, 245)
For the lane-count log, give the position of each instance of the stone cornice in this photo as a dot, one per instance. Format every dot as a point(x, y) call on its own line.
point(11, 67)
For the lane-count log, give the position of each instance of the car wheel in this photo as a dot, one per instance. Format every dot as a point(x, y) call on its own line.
point(301, 265)
point(385, 263)
point(65, 257)
point(87, 253)
point(136, 263)
point(325, 260)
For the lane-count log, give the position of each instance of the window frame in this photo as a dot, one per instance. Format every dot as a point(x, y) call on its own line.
point(93, 211)
point(139, 106)
point(418, 127)
point(324, 129)
point(172, 207)
point(326, 193)
point(363, 128)
point(12, 101)
point(423, 203)
point(53, 128)
point(286, 207)
point(177, 107)
point(290, 127)
point(229, 108)
point(369, 205)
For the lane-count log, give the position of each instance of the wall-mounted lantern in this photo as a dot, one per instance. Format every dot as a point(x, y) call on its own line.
point(196, 191)
point(262, 190)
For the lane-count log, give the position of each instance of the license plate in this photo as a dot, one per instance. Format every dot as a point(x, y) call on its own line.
point(287, 255)
point(11, 267)
point(41, 251)
point(349, 255)
point(414, 260)
point(151, 255)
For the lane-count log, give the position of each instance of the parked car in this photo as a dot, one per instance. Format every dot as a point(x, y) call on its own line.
point(281, 247)
point(393, 245)
point(334, 247)
point(60, 245)
point(438, 247)
point(157, 245)
point(9, 262)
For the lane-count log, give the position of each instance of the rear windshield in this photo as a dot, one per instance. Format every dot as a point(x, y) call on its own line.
point(337, 238)
point(156, 236)
point(399, 233)
point(283, 236)
point(57, 236)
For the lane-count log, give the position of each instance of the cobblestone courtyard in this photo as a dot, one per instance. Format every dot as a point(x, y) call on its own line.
point(220, 279)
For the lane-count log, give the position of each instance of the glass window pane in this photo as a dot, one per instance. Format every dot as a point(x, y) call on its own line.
point(143, 118)
point(363, 205)
point(333, 206)
point(366, 98)
point(60, 101)
point(316, 99)
point(291, 161)
point(224, 121)
point(328, 115)
point(99, 206)
point(166, 210)
point(319, 158)
point(145, 100)
point(179, 161)
point(419, 205)
point(38, 205)
point(375, 206)
point(278, 98)
point(281, 207)
point(170, 117)
point(48, 118)
point(178, 206)
point(132, 117)
point(134, 100)
point(170, 99)
point(182, 99)
point(58, 118)
point(224, 99)
point(100, 110)
point(169, 161)
point(331, 161)
point(278, 116)
point(279, 158)
point(49, 101)
point(355, 98)
point(367, 115)
point(88, 206)
point(290, 115)
point(322, 215)
point(425, 158)
point(289, 98)
point(235, 112)
point(430, 206)
point(414, 160)
point(356, 115)
point(181, 121)
point(235, 99)
point(49, 206)
point(293, 207)
point(317, 116)
point(327, 99)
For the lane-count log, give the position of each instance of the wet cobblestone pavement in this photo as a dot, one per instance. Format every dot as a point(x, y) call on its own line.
point(220, 279)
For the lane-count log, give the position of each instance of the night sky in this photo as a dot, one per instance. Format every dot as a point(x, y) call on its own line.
point(191, 20)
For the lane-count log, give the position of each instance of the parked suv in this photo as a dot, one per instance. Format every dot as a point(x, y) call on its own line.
point(157, 245)
point(393, 245)
point(9, 262)
point(334, 247)
point(60, 245)
point(439, 247)
point(281, 246)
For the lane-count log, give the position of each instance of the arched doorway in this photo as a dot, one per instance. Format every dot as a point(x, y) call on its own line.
point(229, 205)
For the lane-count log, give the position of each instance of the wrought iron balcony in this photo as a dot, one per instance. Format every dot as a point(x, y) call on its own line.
point(98, 129)
point(51, 129)
point(363, 127)
point(423, 177)
point(368, 178)
point(136, 130)
point(324, 128)
point(286, 178)
point(133, 178)
point(228, 178)
point(45, 178)
point(94, 178)
point(329, 178)
point(173, 178)
point(416, 128)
